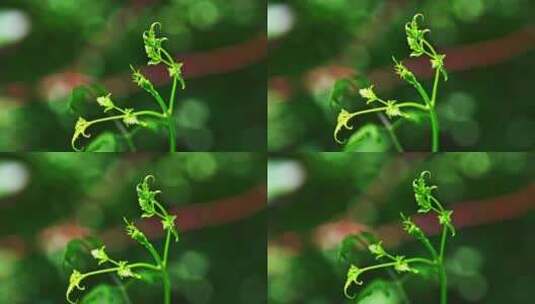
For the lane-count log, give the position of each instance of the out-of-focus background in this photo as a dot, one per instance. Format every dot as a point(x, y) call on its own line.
point(48, 47)
point(316, 200)
point(48, 199)
point(485, 106)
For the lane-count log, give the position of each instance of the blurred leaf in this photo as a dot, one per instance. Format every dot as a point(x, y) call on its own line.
point(379, 292)
point(149, 276)
point(103, 294)
point(154, 124)
point(417, 117)
point(368, 138)
point(78, 102)
point(349, 245)
point(345, 92)
point(78, 254)
point(105, 142)
point(341, 90)
point(426, 271)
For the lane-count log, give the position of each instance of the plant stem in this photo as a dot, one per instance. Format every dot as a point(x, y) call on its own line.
point(122, 289)
point(166, 247)
point(434, 129)
point(172, 97)
point(399, 286)
point(126, 135)
point(172, 132)
point(435, 87)
point(166, 286)
point(443, 285)
point(414, 105)
point(442, 269)
point(433, 113)
point(391, 132)
point(431, 109)
point(430, 247)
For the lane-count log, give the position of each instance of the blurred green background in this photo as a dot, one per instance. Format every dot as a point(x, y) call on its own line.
point(485, 106)
point(48, 47)
point(316, 200)
point(48, 199)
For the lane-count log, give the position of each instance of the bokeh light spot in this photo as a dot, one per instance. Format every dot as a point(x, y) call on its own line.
point(14, 26)
point(14, 177)
point(280, 20)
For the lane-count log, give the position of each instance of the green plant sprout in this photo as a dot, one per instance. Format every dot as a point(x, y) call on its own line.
point(400, 264)
point(419, 46)
point(156, 54)
point(124, 269)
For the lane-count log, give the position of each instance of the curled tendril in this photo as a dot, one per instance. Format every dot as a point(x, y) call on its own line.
point(74, 282)
point(147, 197)
point(444, 218)
point(422, 192)
point(168, 223)
point(80, 129)
point(100, 255)
point(342, 122)
point(106, 102)
point(415, 36)
point(153, 45)
point(352, 277)
point(368, 94)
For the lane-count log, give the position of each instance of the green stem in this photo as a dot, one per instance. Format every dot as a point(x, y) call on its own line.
point(435, 87)
point(126, 135)
point(113, 269)
point(172, 132)
point(165, 275)
point(390, 130)
point(443, 285)
point(421, 260)
point(442, 269)
point(399, 286)
point(430, 247)
point(414, 105)
point(433, 113)
point(122, 289)
point(172, 97)
point(166, 286)
point(154, 254)
point(395, 140)
point(166, 247)
point(158, 98)
point(435, 129)
point(380, 109)
point(149, 113)
point(443, 243)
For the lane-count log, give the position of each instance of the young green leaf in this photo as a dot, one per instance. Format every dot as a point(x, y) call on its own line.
point(105, 142)
point(379, 291)
point(369, 138)
point(103, 294)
